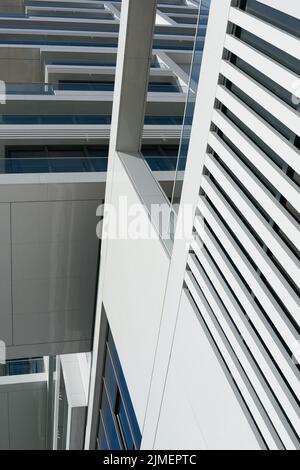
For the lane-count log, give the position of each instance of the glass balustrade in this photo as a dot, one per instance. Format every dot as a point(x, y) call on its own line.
point(190, 102)
point(53, 88)
point(176, 32)
point(51, 42)
point(76, 165)
point(97, 63)
point(88, 43)
point(80, 119)
point(52, 165)
point(178, 47)
point(60, 30)
point(24, 366)
point(60, 15)
point(81, 62)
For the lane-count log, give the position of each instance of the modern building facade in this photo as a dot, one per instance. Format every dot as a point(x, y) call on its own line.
point(167, 318)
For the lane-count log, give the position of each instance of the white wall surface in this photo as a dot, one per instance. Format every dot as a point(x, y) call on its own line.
point(134, 288)
point(200, 409)
point(76, 400)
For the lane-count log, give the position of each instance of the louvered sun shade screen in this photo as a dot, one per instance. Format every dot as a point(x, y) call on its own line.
point(243, 269)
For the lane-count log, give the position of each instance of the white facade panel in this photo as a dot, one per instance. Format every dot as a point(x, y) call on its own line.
point(133, 302)
point(200, 409)
point(23, 412)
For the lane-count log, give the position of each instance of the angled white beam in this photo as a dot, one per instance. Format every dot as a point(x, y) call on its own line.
point(208, 81)
point(132, 72)
point(113, 10)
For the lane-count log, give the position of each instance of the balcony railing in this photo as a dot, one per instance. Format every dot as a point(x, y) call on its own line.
point(80, 119)
point(24, 366)
point(91, 43)
point(72, 164)
point(53, 88)
point(52, 165)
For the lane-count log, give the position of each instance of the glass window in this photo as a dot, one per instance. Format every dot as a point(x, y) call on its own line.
point(109, 422)
point(123, 423)
point(102, 442)
point(118, 427)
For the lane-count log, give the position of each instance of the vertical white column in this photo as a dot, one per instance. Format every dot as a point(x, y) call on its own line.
point(131, 84)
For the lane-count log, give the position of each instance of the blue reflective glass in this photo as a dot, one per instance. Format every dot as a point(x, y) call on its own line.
point(85, 86)
point(125, 426)
point(164, 120)
point(83, 62)
point(110, 423)
point(72, 165)
point(29, 165)
point(80, 159)
point(102, 443)
point(25, 366)
point(190, 104)
point(124, 390)
point(52, 165)
point(116, 410)
point(162, 163)
point(110, 380)
point(99, 164)
point(176, 32)
point(185, 20)
point(177, 47)
point(59, 29)
point(53, 119)
point(163, 87)
point(18, 119)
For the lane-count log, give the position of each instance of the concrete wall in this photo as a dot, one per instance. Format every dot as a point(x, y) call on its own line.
point(23, 412)
point(18, 65)
point(48, 269)
point(12, 6)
